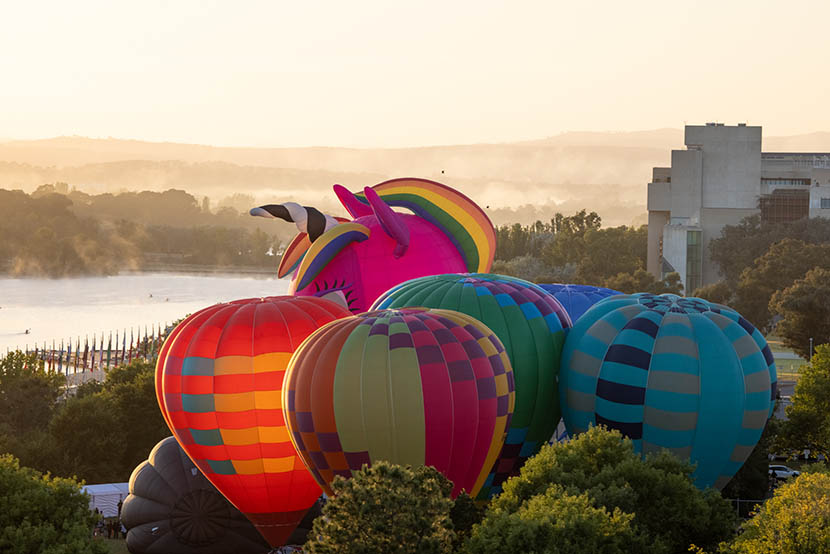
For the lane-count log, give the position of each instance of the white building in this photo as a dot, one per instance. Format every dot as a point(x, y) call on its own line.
point(719, 179)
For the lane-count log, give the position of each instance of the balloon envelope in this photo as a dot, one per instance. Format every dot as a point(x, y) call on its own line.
point(577, 299)
point(220, 381)
point(173, 509)
point(670, 372)
point(413, 387)
point(530, 323)
point(445, 232)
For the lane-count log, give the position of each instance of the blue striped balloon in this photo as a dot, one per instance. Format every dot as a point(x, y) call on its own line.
point(683, 374)
point(577, 299)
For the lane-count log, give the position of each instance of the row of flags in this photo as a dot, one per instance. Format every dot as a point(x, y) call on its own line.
point(104, 354)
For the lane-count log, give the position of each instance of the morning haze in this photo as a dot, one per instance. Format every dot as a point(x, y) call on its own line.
point(522, 181)
point(297, 97)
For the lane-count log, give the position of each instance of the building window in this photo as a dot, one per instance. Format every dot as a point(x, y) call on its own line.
point(783, 206)
point(825, 203)
point(786, 182)
point(694, 261)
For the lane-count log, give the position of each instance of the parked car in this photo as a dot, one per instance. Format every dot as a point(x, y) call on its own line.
point(783, 472)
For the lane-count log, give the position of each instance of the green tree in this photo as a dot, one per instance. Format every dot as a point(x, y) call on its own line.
point(719, 293)
point(808, 417)
point(28, 393)
point(465, 513)
point(556, 521)
point(87, 441)
point(516, 240)
point(795, 521)
point(643, 281)
point(568, 244)
point(40, 514)
point(609, 252)
point(386, 509)
point(533, 269)
point(131, 389)
point(570, 249)
point(28, 400)
point(101, 435)
point(76, 233)
point(804, 308)
point(778, 268)
point(658, 491)
point(740, 245)
point(577, 224)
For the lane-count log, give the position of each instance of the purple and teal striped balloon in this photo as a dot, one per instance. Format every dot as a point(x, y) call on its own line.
point(670, 372)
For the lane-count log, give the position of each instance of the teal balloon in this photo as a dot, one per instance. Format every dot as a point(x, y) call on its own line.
point(683, 374)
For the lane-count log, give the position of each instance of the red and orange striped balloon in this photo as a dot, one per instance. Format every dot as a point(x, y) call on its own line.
point(219, 383)
point(410, 386)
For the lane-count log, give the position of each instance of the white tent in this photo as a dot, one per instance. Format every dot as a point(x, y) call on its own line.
point(106, 497)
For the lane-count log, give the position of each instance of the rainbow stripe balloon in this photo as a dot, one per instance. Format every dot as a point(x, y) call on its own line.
point(457, 216)
point(219, 382)
point(416, 387)
point(670, 372)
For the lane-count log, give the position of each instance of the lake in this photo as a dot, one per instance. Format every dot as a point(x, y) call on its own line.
point(55, 309)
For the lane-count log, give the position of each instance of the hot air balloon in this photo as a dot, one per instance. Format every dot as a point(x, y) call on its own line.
point(413, 387)
point(576, 299)
point(173, 509)
point(220, 378)
point(670, 372)
point(531, 324)
point(446, 232)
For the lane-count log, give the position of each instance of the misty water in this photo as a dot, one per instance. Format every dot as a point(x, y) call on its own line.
point(55, 309)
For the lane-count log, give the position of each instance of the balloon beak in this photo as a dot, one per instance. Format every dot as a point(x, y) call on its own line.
point(259, 212)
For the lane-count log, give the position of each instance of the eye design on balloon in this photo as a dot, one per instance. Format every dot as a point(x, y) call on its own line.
point(334, 289)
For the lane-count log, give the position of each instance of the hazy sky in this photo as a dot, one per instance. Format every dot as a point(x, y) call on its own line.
point(390, 73)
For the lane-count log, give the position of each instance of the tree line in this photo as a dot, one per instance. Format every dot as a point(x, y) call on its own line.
point(592, 494)
point(99, 433)
point(576, 249)
point(777, 275)
point(52, 234)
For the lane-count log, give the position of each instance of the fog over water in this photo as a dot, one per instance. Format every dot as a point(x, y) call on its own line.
point(55, 309)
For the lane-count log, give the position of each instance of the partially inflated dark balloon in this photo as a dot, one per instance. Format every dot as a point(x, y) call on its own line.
point(173, 509)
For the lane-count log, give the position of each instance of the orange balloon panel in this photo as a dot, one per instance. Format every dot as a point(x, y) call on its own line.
point(219, 382)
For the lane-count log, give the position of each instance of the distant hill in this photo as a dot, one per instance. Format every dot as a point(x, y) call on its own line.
point(522, 181)
point(542, 161)
point(658, 138)
point(811, 142)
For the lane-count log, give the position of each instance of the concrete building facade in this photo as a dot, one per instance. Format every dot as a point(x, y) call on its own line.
point(722, 177)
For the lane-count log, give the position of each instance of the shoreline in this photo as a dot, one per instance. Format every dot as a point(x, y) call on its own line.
point(182, 269)
point(194, 269)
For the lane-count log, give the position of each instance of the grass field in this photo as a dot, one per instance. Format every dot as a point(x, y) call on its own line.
point(116, 546)
point(788, 368)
